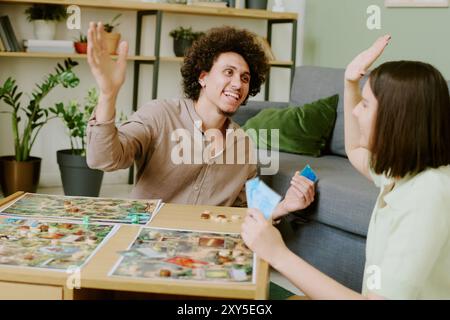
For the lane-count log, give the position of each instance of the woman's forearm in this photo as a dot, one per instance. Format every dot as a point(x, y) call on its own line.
point(352, 97)
point(312, 282)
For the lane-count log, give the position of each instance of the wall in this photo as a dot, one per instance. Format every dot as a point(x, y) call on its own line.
point(29, 71)
point(335, 31)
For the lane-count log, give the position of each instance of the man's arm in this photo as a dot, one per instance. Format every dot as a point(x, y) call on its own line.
point(299, 196)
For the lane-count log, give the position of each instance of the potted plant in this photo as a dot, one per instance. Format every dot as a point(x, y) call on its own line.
point(183, 39)
point(81, 44)
point(112, 38)
point(22, 171)
point(77, 178)
point(45, 17)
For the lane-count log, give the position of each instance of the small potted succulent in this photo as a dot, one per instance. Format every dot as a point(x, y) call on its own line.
point(183, 39)
point(81, 44)
point(112, 38)
point(45, 17)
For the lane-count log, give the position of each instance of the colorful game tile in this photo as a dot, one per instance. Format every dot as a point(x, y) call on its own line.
point(49, 244)
point(84, 208)
point(186, 255)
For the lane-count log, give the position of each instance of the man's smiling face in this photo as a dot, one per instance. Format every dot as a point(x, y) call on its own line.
point(227, 84)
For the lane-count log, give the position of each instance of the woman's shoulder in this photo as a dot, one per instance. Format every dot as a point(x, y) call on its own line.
point(430, 190)
point(433, 180)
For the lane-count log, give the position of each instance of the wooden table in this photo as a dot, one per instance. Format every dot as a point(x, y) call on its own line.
point(26, 283)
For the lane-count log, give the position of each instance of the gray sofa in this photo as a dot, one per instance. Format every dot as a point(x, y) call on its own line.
point(331, 233)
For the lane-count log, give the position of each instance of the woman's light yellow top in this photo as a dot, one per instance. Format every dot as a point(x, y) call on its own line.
point(408, 242)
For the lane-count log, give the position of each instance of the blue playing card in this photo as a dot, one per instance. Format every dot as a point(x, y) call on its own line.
point(260, 196)
point(307, 172)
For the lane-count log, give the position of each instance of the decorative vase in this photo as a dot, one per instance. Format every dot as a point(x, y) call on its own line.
point(19, 175)
point(112, 41)
point(180, 46)
point(77, 178)
point(80, 47)
point(256, 4)
point(44, 29)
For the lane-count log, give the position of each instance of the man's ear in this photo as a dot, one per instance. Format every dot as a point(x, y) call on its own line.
point(202, 78)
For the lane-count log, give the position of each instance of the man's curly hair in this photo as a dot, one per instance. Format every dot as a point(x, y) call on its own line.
point(204, 52)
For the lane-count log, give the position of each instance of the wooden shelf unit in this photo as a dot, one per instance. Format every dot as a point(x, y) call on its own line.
point(158, 10)
point(50, 55)
point(136, 5)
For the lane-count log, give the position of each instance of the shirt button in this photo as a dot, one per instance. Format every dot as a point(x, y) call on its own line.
point(196, 188)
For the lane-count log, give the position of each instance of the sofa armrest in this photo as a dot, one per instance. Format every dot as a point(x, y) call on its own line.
point(250, 110)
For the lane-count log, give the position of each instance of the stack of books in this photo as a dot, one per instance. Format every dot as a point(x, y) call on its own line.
point(210, 3)
point(8, 40)
point(49, 46)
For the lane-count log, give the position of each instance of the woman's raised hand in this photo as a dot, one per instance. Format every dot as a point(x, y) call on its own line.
point(109, 74)
point(362, 62)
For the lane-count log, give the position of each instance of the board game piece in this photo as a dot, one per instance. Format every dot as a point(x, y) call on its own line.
point(135, 219)
point(205, 216)
point(235, 217)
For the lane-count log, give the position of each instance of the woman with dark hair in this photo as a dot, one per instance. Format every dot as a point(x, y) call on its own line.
point(179, 145)
point(397, 134)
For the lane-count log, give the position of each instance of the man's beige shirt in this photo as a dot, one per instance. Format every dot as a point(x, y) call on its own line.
point(158, 137)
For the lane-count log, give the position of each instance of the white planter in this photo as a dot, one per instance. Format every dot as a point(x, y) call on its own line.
point(44, 29)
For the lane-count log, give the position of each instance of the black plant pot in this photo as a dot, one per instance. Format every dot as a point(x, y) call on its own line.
point(77, 178)
point(180, 46)
point(256, 4)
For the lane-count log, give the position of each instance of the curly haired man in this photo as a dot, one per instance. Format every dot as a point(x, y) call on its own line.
point(220, 71)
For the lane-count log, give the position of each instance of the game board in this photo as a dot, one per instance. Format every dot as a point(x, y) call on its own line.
point(186, 255)
point(96, 209)
point(49, 244)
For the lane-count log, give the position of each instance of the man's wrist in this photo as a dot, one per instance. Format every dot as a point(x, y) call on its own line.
point(279, 212)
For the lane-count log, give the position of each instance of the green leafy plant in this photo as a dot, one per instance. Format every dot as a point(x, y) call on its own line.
point(35, 116)
point(109, 27)
point(82, 38)
point(75, 118)
point(55, 12)
point(185, 33)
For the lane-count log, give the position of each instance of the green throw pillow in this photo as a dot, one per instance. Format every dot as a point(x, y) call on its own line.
point(303, 130)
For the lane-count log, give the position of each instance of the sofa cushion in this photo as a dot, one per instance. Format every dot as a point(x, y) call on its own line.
point(252, 108)
point(302, 130)
point(344, 198)
point(312, 83)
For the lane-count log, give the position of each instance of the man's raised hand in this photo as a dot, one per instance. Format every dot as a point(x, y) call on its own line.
point(109, 74)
